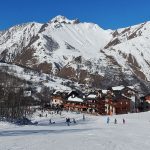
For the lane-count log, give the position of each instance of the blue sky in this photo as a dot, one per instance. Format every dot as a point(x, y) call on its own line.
point(109, 14)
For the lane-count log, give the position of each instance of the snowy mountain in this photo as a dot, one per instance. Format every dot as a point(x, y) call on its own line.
point(82, 52)
point(132, 45)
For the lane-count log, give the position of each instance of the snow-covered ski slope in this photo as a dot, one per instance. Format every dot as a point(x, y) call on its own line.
point(93, 133)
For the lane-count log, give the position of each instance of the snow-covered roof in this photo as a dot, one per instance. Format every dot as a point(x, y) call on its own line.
point(57, 91)
point(118, 88)
point(131, 87)
point(92, 96)
point(148, 101)
point(104, 91)
point(62, 91)
point(75, 99)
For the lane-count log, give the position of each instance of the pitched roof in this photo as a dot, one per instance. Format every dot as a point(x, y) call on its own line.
point(75, 99)
point(131, 87)
point(92, 96)
point(116, 98)
point(118, 88)
point(104, 91)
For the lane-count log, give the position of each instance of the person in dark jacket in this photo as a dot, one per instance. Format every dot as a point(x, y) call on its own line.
point(74, 121)
point(108, 119)
point(83, 117)
point(68, 121)
point(115, 122)
point(50, 121)
point(123, 121)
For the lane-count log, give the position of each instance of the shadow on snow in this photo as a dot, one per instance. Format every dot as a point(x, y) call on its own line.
point(40, 132)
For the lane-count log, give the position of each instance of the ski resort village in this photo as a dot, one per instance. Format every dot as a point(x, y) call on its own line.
point(71, 85)
point(115, 100)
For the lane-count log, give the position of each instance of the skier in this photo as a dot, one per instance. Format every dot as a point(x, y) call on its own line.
point(68, 121)
point(123, 121)
point(83, 117)
point(115, 122)
point(57, 111)
point(108, 120)
point(74, 121)
point(50, 121)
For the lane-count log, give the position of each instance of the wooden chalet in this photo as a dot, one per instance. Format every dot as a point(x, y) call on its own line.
point(128, 91)
point(105, 107)
point(147, 100)
point(91, 102)
point(113, 103)
point(75, 102)
point(57, 98)
point(115, 100)
point(122, 104)
point(145, 103)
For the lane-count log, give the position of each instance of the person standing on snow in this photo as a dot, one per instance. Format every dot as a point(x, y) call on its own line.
point(68, 121)
point(115, 122)
point(50, 121)
point(83, 117)
point(123, 121)
point(74, 121)
point(108, 120)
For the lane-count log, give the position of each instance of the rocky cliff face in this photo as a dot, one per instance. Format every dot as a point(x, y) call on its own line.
point(83, 52)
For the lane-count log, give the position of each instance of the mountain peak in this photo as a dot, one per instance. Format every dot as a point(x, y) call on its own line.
point(63, 19)
point(59, 18)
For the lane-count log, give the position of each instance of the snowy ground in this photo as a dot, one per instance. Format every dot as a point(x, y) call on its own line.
point(93, 133)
